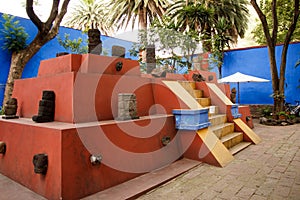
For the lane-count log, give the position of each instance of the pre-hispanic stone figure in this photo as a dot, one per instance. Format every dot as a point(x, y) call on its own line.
point(233, 95)
point(127, 108)
point(46, 108)
point(198, 77)
point(2, 147)
point(10, 109)
point(40, 163)
point(94, 44)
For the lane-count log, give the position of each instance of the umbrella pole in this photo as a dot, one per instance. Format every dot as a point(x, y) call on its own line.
point(238, 84)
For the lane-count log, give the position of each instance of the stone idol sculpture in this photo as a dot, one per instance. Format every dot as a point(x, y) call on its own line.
point(46, 108)
point(40, 163)
point(233, 95)
point(127, 106)
point(10, 109)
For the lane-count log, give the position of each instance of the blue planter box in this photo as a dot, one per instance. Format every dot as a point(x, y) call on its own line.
point(235, 111)
point(191, 119)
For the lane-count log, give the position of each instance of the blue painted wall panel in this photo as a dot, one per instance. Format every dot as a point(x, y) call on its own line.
point(255, 62)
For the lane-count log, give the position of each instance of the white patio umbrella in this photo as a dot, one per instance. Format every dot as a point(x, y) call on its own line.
point(240, 78)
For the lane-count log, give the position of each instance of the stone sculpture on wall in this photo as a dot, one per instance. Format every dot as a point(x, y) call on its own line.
point(94, 41)
point(40, 163)
point(10, 109)
point(127, 108)
point(46, 108)
point(233, 95)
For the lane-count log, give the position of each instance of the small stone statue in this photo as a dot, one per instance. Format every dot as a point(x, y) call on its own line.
point(2, 147)
point(198, 77)
point(46, 108)
point(233, 95)
point(10, 109)
point(40, 163)
point(94, 41)
point(127, 106)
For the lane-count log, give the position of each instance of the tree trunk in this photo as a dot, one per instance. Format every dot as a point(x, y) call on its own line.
point(18, 61)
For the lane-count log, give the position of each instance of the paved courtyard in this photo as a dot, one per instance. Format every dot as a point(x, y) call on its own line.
point(269, 170)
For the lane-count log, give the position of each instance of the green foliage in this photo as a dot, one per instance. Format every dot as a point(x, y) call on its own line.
point(75, 46)
point(220, 41)
point(90, 14)
point(1, 111)
point(13, 34)
point(266, 111)
point(284, 14)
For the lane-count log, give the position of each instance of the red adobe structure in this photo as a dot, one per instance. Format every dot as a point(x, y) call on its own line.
point(86, 91)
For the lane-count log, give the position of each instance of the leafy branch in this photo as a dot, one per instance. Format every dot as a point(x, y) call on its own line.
point(75, 45)
point(13, 34)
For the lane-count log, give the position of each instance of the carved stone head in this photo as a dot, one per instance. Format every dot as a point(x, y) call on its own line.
point(40, 163)
point(2, 147)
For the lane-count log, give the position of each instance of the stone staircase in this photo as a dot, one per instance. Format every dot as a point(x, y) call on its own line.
point(224, 130)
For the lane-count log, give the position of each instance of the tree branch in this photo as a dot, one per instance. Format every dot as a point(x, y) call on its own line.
point(263, 20)
point(59, 18)
point(53, 14)
point(33, 17)
point(275, 22)
point(287, 40)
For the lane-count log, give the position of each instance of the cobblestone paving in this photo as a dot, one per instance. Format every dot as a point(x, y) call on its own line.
point(269, 170)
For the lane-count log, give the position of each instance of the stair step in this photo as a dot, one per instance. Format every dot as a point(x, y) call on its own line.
point(222, 130)
point(239, 147)
point(189, 87)
point(218, 119)
point(198, 93)
point(213, 110)
point(188, 84)
point(232, 139)
point(205, 102)
point(140, 185)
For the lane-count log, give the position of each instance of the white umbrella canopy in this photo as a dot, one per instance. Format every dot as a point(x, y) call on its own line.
point(240, 78)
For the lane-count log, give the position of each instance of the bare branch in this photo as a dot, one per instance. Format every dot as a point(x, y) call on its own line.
point(53, 14)
point(59, 18)
point(33, 17)
point(275, 22)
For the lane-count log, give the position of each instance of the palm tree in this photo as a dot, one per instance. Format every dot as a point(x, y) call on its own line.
point(189, 16)
point(221, 39)
point(235, 13)
point(124, 12)
point(90, 14)
point(205, 14)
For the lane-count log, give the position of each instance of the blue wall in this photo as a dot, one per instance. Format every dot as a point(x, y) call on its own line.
point(49, 50)
point(255, 62)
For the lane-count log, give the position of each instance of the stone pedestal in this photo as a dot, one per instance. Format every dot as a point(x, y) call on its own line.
point(127, 108)
point(118, 51)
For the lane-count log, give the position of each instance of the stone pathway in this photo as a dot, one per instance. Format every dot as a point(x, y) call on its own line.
point(269, 170)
